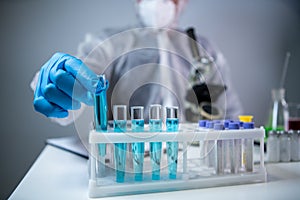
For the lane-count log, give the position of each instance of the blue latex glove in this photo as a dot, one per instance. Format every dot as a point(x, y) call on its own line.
point(63, 83)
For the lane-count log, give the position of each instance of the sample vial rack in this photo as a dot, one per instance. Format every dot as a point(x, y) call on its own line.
point(191, 172)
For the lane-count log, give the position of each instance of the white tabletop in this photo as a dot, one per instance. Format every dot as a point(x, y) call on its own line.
point(58, 174)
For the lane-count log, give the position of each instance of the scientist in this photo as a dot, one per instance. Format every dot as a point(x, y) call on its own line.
point(151, 63)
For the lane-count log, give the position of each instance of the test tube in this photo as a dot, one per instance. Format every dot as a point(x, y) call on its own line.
point(172, 123)
point(229, 151)
point(137, 125)
point(237, 156)
point(220, 150)
point(155, 125)
point(210, 150)
point(120, 122)
point(100, 120)
point(248, 149)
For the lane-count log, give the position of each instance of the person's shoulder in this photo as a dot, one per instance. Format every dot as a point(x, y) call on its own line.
point(110, 31)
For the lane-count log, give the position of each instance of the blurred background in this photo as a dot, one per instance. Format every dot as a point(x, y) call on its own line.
point(253, 35)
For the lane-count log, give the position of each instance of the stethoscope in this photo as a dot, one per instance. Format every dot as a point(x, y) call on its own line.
point(205, 93)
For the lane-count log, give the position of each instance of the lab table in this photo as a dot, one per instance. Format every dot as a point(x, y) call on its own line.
point(59, 174)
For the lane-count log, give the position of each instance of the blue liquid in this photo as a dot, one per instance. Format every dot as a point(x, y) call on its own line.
point(138, 150)
point(155, 125)
point(100, 116)
point(120, 152)
point(172, 148)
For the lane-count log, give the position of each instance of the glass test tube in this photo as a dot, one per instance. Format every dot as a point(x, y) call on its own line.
point(220, 150)
point(100, 120)
point(229, 151)
point(138, 148)
point(172, 123)
point(248, 149)
point(155, 125)
point(273, 146)
point(120, 122)
point(285, 146)
point(210, 150)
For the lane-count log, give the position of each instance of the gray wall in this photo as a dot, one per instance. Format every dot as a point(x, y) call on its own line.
point(253, 35)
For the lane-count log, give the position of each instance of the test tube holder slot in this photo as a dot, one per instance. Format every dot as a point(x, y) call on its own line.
point(190, 172)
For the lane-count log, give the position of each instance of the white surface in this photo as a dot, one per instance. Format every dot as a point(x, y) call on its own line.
point(58, 174)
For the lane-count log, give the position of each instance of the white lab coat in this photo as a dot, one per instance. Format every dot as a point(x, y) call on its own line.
point(145, 66)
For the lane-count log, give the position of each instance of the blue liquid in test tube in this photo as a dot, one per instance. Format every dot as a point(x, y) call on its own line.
point(120, 122)
point(100, 116)
point(138, 148)
point(155, 125)
point(172, 123)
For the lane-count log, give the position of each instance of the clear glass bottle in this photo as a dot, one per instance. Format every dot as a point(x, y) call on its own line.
point(285, 146)
point(279, 113)
point(295, 150)
point(273, 147)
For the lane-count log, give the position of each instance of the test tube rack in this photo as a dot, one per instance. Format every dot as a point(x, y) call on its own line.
point(190, 173)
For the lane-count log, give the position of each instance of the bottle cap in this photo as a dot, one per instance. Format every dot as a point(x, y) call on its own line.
point(226, 123)
point(218, 126)
point(248, 125)
point(234, 125)
point(209, 124)
point(246, 118)
point(202, 123)
point(272, 132)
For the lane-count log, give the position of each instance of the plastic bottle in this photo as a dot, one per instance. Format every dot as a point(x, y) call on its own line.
point(295, 149)
point(247, 152)
point(278, 116)
point(285, 146)
point(220, 150)
point(273, 147)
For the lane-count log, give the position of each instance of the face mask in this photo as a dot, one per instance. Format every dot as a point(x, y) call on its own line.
point(157, 13)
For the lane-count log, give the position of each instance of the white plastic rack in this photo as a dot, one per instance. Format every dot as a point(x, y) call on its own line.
point(191, 173)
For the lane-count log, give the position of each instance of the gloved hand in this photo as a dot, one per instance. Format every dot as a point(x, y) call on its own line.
point(64, 81)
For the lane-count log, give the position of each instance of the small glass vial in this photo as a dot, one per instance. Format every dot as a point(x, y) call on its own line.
point(155, 125)
point(295, 153)
point(120, 122)
point(285, 146)
point(210, 149)
point(247, 155)
point(220, 150)
point(172, 123)
point(138, 149)
point(273, 146)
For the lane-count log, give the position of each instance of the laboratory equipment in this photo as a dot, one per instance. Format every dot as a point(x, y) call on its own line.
point(172, 123)
point(236, 149)
point(247, 151)
point(295, 145)
point(294, 116)
point(210, 148)
point(120, 123)
point(273, 146)
point(138, 148)
point(206, 94)
point(220, 150)
point(285, 146)
point(155, 125)
point(278, 116)
point(190, 173)
point(100, 118)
